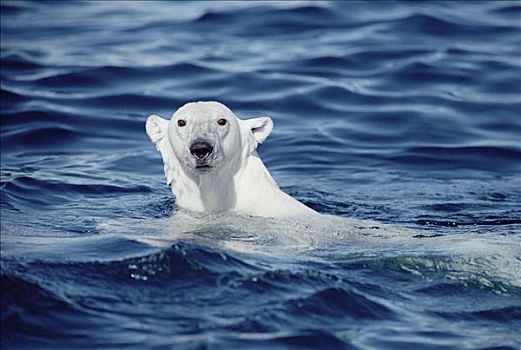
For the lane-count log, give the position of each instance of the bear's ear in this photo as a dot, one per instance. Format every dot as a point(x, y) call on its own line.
point(260, 128)
point(157, 129)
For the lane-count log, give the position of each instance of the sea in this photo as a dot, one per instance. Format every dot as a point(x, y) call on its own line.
point(401, 116)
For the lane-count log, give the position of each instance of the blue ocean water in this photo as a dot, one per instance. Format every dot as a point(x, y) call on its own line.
point(404, 113)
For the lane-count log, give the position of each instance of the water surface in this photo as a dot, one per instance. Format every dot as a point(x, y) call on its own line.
point(402, 113)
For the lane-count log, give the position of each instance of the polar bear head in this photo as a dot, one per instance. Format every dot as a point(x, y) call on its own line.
point(202, 137)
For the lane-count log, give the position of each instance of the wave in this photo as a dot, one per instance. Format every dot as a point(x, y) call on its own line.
point(384, 111)
point(334, 303)
point(25, 320)
point(112, 76)
point(184, 262)
point(272, 21)
point(19, 62)
point(19, 191)
point(439, 25)
point(501, 315)
point(479, 157)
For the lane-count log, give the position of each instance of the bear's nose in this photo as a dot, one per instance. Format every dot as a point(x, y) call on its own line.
point(201, 149)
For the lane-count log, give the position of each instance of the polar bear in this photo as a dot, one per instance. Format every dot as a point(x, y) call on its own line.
point(211, 162)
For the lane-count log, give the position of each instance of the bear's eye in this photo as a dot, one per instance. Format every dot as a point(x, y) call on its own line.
point(221, 122)
point(181, 122)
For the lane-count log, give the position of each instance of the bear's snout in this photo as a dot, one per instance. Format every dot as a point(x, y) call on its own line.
point(201, 150)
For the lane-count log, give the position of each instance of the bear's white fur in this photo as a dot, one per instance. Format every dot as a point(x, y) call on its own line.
point(232, 177)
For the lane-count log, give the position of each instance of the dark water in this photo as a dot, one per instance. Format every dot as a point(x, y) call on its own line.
point(404, 113)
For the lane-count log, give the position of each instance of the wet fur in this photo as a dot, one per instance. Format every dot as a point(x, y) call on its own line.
point(237, 179)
